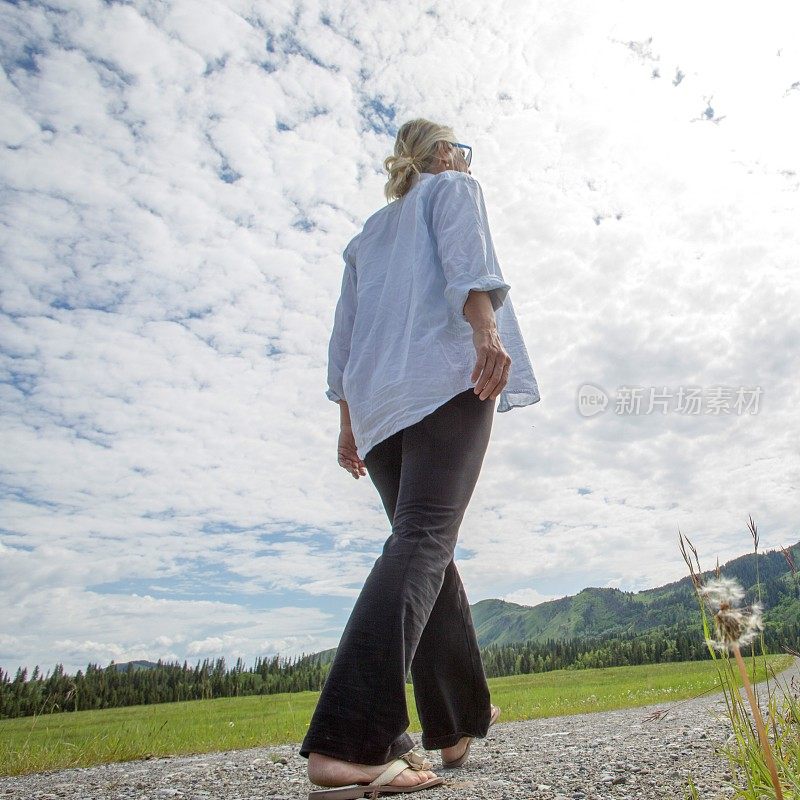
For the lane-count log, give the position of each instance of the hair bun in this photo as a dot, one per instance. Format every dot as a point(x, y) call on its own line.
point(402, 163)
point(416, 148)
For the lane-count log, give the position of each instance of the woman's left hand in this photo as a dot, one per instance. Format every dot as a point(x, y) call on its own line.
point(348, 456)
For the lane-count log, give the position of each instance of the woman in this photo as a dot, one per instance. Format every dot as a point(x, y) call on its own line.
point(424, 341)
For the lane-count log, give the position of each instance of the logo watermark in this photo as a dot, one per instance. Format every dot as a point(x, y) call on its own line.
point(716, 400)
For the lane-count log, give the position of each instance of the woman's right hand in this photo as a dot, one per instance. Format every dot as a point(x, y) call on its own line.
point(492, 363)
point(348, 455)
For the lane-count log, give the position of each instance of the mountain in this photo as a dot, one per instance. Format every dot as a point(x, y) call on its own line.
point(597, 611)
point(602, 611)
point(129, 666)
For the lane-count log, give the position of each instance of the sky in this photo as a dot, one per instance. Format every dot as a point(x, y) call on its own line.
point(179, 180)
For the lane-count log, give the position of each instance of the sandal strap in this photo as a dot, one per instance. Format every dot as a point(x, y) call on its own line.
point(409, 760)
point(416, 761)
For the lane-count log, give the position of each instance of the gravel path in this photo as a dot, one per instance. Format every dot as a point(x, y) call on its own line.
point(598, 756)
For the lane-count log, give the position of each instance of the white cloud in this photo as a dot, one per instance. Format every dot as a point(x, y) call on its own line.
point(178, 187)
point(527, 597)
point(74, 626)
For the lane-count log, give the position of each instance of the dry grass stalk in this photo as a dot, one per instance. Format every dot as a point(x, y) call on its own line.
point(762, 732)
point(753, 531)
point(696, 580)
point(735, 628)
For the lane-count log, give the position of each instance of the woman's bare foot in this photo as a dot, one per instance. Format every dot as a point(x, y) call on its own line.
point(331, 772)
point(450, 754)
point(456, 751)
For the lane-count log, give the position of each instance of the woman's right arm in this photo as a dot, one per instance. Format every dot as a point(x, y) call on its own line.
point(466, 251)
point(344, 415)
point(492, 362)
point(474, 283)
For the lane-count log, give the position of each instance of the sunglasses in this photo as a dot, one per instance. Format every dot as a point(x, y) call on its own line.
point(466, 151)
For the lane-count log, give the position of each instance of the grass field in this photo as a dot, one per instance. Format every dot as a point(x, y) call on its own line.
point(85, 738)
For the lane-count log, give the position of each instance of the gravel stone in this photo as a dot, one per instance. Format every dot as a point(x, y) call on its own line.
point(605, 755)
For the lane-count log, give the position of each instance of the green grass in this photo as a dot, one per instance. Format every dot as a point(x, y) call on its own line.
point(85, 738)
point(565, 692)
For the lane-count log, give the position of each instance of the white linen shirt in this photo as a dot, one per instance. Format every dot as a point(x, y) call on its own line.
point(401, 345)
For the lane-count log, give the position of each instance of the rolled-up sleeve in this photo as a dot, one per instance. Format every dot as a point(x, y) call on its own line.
point(342, 333)
point(464, 243)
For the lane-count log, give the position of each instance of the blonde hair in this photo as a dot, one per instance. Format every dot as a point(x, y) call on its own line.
point(415, 151)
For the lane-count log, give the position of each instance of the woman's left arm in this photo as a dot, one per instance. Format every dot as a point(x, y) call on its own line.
point(347, 454)
point(338, 355)
point(341, 335)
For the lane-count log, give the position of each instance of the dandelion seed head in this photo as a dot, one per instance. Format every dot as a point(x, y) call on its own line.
point(754, 624)
point(722, 591)
point(736, 626)
point(729, 624)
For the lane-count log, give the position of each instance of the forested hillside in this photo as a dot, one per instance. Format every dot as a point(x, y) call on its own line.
point(597, 612)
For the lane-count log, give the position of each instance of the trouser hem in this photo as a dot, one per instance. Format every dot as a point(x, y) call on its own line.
point(369, 757)
point(439, 742)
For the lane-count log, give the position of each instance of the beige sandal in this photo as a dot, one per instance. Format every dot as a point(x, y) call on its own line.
point(463, 757)
point(409, 760)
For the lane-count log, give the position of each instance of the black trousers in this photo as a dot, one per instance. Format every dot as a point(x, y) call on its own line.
point(412, 613)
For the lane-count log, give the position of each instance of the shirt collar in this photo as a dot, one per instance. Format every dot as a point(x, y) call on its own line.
point(421, 177)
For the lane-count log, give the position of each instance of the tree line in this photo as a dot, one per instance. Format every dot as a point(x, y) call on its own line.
point(653, 647)
point(112, 687)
